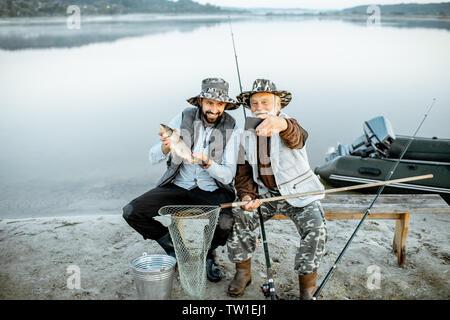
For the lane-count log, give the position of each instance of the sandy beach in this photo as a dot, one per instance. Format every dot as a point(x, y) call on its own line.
point(85, 89)
point(37, 252)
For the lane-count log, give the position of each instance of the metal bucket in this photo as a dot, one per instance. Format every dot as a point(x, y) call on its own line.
point(153, 275)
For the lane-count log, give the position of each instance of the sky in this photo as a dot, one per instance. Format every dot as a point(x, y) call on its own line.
point(306, 4)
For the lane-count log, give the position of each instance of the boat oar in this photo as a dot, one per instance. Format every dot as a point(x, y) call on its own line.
point(363, 186)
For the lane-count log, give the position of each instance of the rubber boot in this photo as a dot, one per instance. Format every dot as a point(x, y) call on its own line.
point(166, 243)
point(307, 284)
point(213, 272)
point(242, 278)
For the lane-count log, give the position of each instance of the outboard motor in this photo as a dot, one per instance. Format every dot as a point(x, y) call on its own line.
point(378, 137)
point(380, 134)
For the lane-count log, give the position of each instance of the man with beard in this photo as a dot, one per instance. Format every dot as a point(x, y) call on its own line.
point(273, 162)
point(213, 137)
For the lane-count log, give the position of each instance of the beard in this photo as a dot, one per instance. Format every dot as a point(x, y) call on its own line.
point(263, 114)
point(208, 120)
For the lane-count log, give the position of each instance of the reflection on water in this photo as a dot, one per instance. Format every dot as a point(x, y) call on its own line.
point(77, 120)
point(53, 32)
point(22, 33)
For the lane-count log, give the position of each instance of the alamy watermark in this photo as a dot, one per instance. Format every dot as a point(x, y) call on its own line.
point(234, 139)
point(374, 279)
point(374, 17)
point(74, 18)
point(74, 279)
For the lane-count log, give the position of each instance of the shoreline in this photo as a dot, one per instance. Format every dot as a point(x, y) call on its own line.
point(37, 252)
point(199, 16)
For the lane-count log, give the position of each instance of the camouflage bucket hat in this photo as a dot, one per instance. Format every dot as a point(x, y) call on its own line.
point(263, 85)
point(215, 89)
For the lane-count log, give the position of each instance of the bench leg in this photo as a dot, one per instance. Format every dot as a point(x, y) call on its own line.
point(401, 231)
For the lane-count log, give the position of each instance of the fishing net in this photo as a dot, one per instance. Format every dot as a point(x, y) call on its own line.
point(192, 229)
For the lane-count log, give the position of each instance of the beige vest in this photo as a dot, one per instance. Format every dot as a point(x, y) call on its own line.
point(290, 168)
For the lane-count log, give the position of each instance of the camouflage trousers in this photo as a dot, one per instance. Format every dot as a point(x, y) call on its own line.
point(310, 223)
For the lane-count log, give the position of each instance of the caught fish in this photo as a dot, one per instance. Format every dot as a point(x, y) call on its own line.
point(177, 145)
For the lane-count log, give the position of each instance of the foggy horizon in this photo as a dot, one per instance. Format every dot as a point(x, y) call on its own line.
point(307, 4)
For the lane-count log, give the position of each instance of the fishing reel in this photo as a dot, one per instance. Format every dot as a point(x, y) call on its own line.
point(265, 288)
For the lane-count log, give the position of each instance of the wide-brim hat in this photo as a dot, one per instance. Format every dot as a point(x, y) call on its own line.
point(264, 85)
point(215, 89)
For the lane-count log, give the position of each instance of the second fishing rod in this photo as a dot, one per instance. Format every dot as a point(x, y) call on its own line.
point(268, 289)
point(367, 212)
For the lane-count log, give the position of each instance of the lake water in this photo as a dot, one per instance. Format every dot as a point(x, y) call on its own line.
point(80, 109)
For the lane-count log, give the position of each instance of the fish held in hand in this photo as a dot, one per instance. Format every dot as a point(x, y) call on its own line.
point(177, 145)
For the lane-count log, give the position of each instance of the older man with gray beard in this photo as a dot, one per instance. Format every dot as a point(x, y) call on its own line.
point(273, 162)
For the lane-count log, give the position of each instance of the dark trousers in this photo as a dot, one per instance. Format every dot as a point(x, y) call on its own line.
point(139, 212)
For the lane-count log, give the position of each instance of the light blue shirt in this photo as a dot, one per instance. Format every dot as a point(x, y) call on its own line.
point(192, 175)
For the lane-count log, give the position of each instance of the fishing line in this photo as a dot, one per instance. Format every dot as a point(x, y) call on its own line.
point(330, 272)
point(237, 64)
point(268, 289)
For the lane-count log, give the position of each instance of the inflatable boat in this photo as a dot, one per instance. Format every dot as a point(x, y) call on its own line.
point(371, 156)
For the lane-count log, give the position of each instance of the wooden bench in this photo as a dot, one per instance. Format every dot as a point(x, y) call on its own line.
point(389, 206)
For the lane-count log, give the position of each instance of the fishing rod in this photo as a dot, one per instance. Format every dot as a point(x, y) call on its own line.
point(237, 63)
point(330, 272)
point(267, 289)
point(335, 190)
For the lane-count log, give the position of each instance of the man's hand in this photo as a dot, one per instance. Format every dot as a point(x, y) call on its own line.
point(165, 147)
point(252, 205)
point(271, 126)
point(204, 161)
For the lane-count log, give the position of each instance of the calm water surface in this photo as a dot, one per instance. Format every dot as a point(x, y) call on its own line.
point(80, 109)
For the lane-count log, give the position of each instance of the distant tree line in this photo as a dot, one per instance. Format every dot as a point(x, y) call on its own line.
point(435, 9)
point(29, 8)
